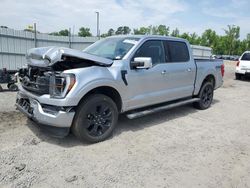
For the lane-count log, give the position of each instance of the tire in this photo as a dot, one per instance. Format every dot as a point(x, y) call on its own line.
point(238, 76)
point(95, 118)
point(206, 96)
point(13, 87)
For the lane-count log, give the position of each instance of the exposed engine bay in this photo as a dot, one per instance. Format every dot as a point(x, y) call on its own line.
point(46, 66)
point(50, 80)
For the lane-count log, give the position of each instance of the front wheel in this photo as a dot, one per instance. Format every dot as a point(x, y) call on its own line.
point(206, 96)
point(95, 118)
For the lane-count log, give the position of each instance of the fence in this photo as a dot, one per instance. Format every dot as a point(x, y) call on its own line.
point(14, 45)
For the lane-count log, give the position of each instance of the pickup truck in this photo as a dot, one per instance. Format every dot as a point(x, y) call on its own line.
point(85, 91)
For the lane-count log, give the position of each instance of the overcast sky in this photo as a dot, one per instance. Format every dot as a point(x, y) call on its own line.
point(187, 15)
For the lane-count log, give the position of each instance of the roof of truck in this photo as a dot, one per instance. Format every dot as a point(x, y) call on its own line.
point(148, 36)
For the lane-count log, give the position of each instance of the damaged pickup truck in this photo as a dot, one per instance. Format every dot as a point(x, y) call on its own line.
point(84, 91)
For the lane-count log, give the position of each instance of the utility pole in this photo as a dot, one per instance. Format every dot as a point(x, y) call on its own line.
point(97, 25)
point(35, 37)
point(69, 37)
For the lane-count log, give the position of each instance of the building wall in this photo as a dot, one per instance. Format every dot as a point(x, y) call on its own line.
point(14, 45)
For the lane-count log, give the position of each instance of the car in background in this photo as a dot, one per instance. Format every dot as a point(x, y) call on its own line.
point(243, 66)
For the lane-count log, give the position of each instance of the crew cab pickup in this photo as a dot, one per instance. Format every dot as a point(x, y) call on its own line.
point(84, 91)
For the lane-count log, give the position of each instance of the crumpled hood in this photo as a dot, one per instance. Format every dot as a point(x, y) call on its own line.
point(47, 56)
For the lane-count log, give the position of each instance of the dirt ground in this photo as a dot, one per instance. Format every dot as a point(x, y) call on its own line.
point(182, 147)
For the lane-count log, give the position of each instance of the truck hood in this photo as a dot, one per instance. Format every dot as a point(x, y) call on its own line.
point(47, 56)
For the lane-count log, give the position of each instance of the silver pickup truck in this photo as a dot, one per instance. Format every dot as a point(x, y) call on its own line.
point(84, 91)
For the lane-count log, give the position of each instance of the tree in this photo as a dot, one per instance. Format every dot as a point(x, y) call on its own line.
point(175, 33)
point(232, 34)
point(185, 36)
point(84, 32)
point(194, 39)
point(123, 30)
point(111, 32)
point(163, 30)
point(248, 41)
point(64, 32)
point(209, 38)
point(142, 31)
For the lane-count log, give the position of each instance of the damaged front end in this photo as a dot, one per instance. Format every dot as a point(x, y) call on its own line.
point(42, 81)
point(46, 66)
point(46, 82)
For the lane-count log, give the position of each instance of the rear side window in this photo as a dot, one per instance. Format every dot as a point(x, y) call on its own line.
point(246, 57)
point(153, 49)
point(177, 51)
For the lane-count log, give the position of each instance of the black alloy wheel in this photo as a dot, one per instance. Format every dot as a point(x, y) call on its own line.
point(206, 96)
point(99, 118)
point(95, 118)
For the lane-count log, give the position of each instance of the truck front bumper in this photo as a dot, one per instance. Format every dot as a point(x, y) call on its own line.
point(53, 116)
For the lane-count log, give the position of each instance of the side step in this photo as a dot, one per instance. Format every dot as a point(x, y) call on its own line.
point(137, 114)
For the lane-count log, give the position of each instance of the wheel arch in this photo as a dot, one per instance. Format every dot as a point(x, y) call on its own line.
point(108, 91)
point(209, 78)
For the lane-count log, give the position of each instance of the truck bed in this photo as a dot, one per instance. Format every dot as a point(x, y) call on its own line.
point(206, 67)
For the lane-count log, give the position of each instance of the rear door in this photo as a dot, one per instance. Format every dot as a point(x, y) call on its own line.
point(180, 70)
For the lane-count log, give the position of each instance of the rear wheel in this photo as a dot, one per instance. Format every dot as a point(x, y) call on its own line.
point(206, 96)
point(95, 118)
point(238, 76)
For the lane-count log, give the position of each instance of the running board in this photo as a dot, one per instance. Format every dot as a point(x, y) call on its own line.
point(137, 114)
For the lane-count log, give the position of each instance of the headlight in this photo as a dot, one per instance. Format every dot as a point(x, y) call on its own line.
point(61, 84)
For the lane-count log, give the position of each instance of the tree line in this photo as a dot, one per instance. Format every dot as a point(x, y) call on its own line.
point(227, 44)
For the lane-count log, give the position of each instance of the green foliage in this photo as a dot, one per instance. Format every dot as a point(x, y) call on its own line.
point(109, 33)
point(175, 33)
point(64, 32)
point(233, 35)
point(123, 30)
point(228, 44)
point(84, 32)
point(142, 31)
point(160, 30)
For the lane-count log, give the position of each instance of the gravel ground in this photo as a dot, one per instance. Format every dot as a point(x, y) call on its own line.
point(182, 147)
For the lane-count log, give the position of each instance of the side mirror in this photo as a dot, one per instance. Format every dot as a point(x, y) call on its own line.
point(141, 63)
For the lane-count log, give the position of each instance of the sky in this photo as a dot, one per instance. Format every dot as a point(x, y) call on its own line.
point(186, 15)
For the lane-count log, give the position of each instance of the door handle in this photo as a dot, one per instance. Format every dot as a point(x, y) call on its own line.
point(163, 72)
point(189, 70)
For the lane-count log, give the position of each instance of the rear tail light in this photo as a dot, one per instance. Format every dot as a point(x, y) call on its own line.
point(222, 68)
point(238, 63)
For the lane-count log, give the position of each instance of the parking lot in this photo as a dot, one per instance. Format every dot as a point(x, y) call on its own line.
point(182, 147)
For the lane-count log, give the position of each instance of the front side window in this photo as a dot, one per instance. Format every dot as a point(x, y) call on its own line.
point(246, 57)
point(178, 51)
point(153, 49)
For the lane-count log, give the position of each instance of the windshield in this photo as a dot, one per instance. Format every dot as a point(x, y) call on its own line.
point(112, 48)
point(246, 57)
